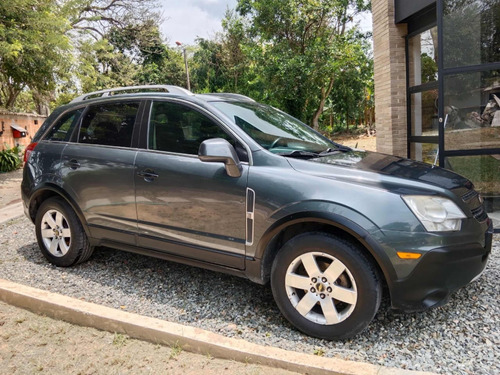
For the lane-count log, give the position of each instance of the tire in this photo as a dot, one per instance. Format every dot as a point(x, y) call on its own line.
point(325, 286)
point(60, 235)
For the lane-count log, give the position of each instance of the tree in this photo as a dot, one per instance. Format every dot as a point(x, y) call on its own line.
point(303, 44)
point(226, 63)
point(97, 17)
point(209, 73)
point(40, 38)
point(34, 48)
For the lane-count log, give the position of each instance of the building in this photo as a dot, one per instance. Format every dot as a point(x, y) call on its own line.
point(437, 86)
point(18, 129)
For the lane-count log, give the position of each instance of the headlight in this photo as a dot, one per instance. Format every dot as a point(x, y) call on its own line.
point(436, 214)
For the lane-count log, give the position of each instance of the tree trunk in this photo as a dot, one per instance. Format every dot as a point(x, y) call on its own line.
point(319, 110)
point(41, 103)
point(13, 93)
point(347, 120)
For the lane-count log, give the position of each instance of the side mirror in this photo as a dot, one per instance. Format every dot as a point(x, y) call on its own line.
point(218, 150)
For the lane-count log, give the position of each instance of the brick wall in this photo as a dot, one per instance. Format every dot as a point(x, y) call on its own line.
point(390, 79)
point(31, 123)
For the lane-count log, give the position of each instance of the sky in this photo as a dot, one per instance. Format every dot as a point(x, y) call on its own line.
point(185, 20)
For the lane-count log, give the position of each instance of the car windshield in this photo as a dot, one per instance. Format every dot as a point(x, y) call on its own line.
point(273, 129)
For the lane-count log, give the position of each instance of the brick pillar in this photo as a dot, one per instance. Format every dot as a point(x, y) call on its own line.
point(390, 79)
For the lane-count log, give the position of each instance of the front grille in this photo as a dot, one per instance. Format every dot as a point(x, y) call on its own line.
point(479, 213)
point(471, 198)
point(470, 195)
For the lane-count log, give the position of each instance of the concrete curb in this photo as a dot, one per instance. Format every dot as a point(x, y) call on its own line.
point(190, 338)
point(11, 212)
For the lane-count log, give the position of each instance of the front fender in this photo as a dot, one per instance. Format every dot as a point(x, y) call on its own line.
point(340, 218)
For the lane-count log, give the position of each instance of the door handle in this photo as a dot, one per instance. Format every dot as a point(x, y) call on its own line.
point(73, 164)
point(148, 175)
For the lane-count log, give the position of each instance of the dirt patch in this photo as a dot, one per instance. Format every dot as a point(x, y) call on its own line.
point(35, 344)
point(10, 187)
point(362, 142)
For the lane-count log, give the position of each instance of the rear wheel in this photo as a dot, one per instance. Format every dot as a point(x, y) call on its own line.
point(61, 237)
point(324, 286)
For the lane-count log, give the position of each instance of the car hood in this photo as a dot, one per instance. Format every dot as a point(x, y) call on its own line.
point(357, 165)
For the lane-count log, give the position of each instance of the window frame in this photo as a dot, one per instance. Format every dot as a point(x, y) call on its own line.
point(136, 126)
point(410, 90)
point(74, 125)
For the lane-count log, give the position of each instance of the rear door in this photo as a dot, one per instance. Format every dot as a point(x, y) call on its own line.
point(98, 170)
point(187, 207)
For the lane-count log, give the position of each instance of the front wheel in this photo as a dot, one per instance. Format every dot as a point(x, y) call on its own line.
point(61, 237)
point(324, 286)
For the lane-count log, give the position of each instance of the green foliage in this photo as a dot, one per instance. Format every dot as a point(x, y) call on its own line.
point(34, 50)
point(40, 38)
point(429, 68)
point(303, 47)
point(10, 159)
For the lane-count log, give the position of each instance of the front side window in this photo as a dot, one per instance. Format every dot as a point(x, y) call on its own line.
point(63, 128)
point(174, 127)
point(109, 124)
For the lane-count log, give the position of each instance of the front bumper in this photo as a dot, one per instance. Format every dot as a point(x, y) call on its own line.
point(439, 273)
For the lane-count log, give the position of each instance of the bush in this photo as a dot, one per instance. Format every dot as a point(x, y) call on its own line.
point(10, 159)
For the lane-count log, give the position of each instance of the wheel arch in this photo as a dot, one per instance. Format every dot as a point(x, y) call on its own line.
point(299, 223)
point(48, 191)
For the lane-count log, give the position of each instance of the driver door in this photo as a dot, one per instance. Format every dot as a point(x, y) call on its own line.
point(186, 207)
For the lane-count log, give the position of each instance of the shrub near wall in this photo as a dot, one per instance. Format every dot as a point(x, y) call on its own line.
point(10, 159)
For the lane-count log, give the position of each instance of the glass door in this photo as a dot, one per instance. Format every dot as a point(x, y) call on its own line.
point(469, 94)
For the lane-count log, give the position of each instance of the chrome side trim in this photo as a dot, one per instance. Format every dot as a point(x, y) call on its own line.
point(250, 216)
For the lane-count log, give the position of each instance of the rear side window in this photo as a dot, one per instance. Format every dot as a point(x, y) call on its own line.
point(109, 124)
point(63, 128)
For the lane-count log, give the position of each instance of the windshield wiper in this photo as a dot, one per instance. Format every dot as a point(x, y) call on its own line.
point(310, 154)
point(338, 148)
point(299, 154)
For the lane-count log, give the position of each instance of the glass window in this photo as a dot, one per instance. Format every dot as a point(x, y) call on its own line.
point(424, 113)
point(472, 107)
point(425, 152)
point(63, 128)
point(471, 32)
point(484, 172)
point(176, 128)
point(422, 62)
point(272, 129)
point(109, 124)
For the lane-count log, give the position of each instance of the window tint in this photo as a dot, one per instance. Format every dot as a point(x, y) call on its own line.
point(109, 124)
point(177, 128)
point(63, 128)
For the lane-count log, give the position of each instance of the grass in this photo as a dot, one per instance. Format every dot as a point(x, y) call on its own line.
point(120, 340)
point(175, 350)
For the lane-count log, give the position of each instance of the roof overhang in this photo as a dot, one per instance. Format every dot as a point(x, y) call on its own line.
point(405, 9)
point(18, 128)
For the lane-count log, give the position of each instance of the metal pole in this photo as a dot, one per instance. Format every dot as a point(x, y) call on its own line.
point(187, 70)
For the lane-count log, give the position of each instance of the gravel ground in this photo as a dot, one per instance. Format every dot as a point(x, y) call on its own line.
point(462, 337)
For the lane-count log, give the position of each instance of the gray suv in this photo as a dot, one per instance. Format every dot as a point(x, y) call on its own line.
point(222, 182)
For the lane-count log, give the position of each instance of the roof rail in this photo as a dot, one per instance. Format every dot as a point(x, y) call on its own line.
point(230, 96)
point(110, 92)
